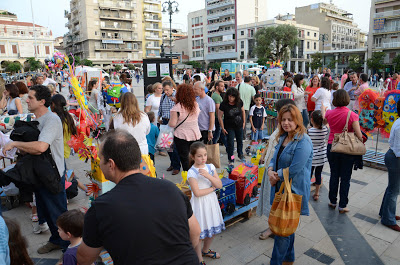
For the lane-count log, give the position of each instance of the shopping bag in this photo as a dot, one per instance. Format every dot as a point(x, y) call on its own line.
point(165, 138)
point(285, 210)
point(213, 156)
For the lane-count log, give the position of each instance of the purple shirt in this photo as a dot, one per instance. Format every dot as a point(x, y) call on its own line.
point(206, 105)
point(69, 257)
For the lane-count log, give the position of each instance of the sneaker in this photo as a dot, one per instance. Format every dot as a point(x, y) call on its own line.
point(37, 228)
point(48, 248)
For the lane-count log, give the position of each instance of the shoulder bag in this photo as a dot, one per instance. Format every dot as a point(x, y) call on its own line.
point(165, 140)
point(347, 142)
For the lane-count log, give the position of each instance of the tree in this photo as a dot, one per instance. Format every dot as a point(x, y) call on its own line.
point(376, 61)
point(131, 66)
point(316, 61)
point(33, 64)
point(274, 43)
point(14, 67)
point(216, 66)
point(262, 61)
point(195, 64)
point(77, 60)
point(355, 62)
point(396, 63)
point(332, 63)
point(87, 62)
point(118, 68)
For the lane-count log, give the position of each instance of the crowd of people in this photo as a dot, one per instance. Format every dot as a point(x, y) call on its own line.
point(204, 109)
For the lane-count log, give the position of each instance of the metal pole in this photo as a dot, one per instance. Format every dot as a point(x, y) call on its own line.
point(376, 146)
point(170, 31)
point(34, 31)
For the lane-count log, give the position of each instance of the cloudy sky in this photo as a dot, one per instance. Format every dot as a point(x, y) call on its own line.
point(50, 13)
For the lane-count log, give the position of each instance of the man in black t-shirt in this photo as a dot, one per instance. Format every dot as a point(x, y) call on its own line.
point(142, 220)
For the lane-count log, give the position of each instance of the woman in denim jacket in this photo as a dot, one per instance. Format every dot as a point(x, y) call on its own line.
point(294, 151)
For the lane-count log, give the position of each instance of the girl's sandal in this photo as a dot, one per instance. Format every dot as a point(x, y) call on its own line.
point(316, 197)
point(211, 254)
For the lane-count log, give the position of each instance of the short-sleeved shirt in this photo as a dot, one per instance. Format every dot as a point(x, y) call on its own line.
point(142, 220)
point(154, 102)
point(166, 105)
point(51, 132)
point(337, 119)
point(247, 93)
point(206, 105)
point(349, 85)
point(233, 116)
point(258, 114)
point(189, 129)
point(310, 103)
point(323, 96)
point(318, 139)
point(152, 138)
point(69, 257)
point(217, 100)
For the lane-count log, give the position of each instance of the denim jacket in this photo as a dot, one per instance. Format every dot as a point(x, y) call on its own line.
point(298, 156)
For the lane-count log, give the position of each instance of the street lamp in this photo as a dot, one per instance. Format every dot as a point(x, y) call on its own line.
point(171, 7)
point(323, 38)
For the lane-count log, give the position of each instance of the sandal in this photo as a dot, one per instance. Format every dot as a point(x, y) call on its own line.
point(211, 254)
point(316, 197)
point(34, 217)
point(265, 235)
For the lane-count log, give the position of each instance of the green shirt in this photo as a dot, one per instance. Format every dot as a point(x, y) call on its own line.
point(217, 99)
point(247, 93)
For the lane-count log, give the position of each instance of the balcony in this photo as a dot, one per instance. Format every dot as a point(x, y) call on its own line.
point(339, 17)
point(152, 18)
point(152, 10)
point(221, 14)
point(156, 2)
point(151, 46)
point(388, 45)
point(76, 30)
point(152, 54)
point(150, 27)
point(223, 23)
point(220, 43)
point(377, 2)
point(387, 30)
point(220, 4)
point(119, 18)
point(225, 54)
point(105, 4)
point(67, 24)
point(67, 14)
point(119, 27)
point(74, 9)
point(75, 20)
point(152, 37)
point(115, 49)
point(393, 13)
point(221, 33)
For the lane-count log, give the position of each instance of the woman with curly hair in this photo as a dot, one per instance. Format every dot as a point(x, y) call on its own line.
point(184, 118)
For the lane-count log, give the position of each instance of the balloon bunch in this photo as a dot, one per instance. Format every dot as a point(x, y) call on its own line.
point(56, 62)
point(277, 64)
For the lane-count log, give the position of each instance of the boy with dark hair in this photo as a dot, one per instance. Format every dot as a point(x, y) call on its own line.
point(70, 228)
point(257, 117)
point(152, 136)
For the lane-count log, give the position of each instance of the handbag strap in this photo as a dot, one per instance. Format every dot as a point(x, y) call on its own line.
point(345, 128)
point(181, 122)
point(286, 183)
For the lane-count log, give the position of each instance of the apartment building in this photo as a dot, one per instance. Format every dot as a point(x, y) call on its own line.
point(384, 29)
point(111, 31)
point(197, 35)
point(223, 18)
point(336, 23)
point(298, 60)
point(17, 39)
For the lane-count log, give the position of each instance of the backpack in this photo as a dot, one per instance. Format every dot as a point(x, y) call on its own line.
point(112, 94)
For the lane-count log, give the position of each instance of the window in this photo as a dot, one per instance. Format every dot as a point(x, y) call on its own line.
point(315, 45)
point(103, 34)
point(242, 33)
point(242, 44)
point(193, 21)
point(135, 46)
point(194, 54)
point(96, 33)
point(37, 50)
point(201, 19)
point(14, 48)
point(129, 45)
point(308, 45)
point(315, 34)
point(2, 49)
point(47, 49)
point(241, 55)
point(308, 33)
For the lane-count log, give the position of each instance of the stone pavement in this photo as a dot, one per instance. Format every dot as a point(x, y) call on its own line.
point(324, 237)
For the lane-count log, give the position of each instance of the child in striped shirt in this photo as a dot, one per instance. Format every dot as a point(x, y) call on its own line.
point(318, 134)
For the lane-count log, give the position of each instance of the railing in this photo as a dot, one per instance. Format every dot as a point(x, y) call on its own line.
point(220, 4)
point(115, 27)
point(388, 29)
point(222, 51)
point(339, 16)
point(149, 9)
point(221, 14)
point(219, 43)
point(387, 14)
point(223, 23)
point(151, 27)
point(156, 18)
point(388, 45)
point(119, 4)
point(153, 37)
point(222, 32)
point(152, 1)
point(377, 2)
point(151, 46)
point(104, 16)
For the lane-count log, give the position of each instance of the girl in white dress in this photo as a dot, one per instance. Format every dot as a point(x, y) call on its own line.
point(203, 180)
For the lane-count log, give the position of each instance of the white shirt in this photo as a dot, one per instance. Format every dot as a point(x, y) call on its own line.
point(323, 96)
point(49, 81)
point(298, 93)
point(154, 102)
point(394, 139)
point(139, 130)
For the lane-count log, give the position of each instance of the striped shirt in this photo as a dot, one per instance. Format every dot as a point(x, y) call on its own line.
point(166, 105)
point(318, 139)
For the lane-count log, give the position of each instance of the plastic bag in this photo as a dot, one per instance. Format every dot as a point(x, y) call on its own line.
point(165, 139)
point(5, 139)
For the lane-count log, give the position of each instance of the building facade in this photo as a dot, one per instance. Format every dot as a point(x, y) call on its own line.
point(384, 30)
point(223, 18)
point(197, 35)
point(337, 24)
point(298, 60)
point(177, 34)
point(17, 40)
point(109, 32)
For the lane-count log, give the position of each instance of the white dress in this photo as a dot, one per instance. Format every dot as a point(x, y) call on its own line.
point(206, 208)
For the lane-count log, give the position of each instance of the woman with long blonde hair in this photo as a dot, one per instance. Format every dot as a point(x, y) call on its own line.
point(131, 119)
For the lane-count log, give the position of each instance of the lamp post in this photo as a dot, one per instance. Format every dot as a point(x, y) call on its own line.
point(323, 38)
point(171, 7)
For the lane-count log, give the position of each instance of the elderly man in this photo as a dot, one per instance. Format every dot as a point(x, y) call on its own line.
point(152, 220)
point(350, 87)
point(207, 112)
point(238, 78)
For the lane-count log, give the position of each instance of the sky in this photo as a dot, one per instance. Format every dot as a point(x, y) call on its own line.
point(50, 13)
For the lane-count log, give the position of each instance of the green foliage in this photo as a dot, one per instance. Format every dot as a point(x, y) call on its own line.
point(195, 64)
point(216, 66)
point(274, 43)
point(13, 67)
point(396, 62)
point(316, 61)
point(262, 61)
point(355, 62)
point(118, 67)
point(131, 67)
point(77, 60)
point(87, 62)
point(332, 63)
point(33, 64)
point(376, 61)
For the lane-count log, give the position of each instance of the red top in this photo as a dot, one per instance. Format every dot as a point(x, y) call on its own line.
point(337, 119)
point(287, 89)
point(391, 84)
point(311, 104)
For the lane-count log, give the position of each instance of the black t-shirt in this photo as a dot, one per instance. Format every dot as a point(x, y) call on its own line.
point(233, 118)
point(186, 77)
point(142, 221)
point(227, 78)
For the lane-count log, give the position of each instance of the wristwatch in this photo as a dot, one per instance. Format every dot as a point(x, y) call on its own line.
point(209, 130)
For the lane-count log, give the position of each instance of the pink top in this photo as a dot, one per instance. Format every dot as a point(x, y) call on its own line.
point(361, 89)
point(337, 118)
point(343, 80)
point(189, 129)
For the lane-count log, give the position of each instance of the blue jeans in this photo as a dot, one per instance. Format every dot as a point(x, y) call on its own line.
point(52, 206)
point(388, 207)
point(341, 169)
point(232, 133)
point(304, 114)
point(283, 250)
point(218, 133)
